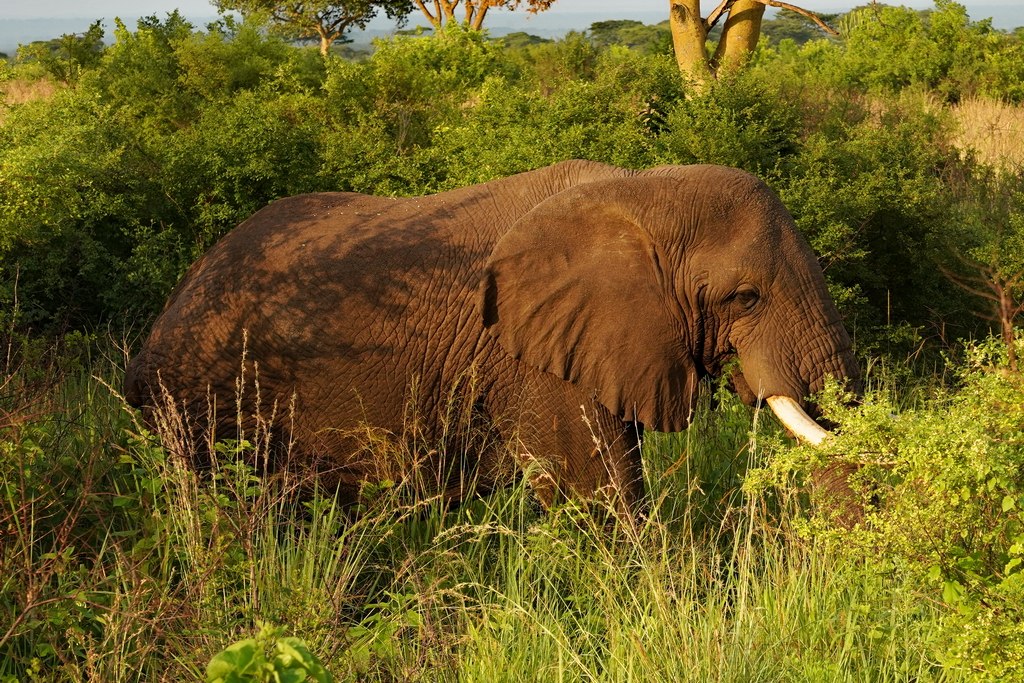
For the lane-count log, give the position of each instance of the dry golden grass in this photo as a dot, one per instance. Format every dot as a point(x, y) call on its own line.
point(21, 90)
point(992, 131)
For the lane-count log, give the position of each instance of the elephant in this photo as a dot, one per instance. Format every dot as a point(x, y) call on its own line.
point(561, 311)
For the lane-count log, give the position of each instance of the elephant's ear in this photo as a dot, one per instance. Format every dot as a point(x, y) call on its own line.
point(576, 288)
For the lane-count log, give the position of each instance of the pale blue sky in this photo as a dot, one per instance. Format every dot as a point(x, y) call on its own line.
point(25, 9)
point(1006, 13)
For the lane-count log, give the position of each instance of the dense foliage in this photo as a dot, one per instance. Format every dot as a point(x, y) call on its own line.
point(121, 164)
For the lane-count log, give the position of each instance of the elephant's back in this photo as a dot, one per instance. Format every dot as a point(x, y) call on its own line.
point(346, 298)
point(313, 286)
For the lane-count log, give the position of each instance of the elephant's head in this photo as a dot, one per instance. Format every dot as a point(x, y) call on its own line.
point(635, 288)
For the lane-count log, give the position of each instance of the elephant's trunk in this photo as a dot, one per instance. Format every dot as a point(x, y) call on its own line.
point(796, 420)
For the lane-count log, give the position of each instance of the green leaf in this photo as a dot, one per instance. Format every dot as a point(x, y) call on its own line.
point(1009, 503)
point(238, 658)
point(300, 662)
point(952, 592)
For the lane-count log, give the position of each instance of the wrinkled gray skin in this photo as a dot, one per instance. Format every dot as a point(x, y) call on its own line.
point(564, 310)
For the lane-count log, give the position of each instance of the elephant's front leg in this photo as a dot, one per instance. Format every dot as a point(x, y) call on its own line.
point(569, 445)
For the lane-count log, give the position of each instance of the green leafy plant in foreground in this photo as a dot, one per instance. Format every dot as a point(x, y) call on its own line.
point(270, 657)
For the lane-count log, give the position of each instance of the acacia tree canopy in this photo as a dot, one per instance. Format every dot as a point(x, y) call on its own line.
point(441, 12)
point(324, 20)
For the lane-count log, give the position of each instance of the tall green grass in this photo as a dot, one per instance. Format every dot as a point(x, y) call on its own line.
point(120, 563)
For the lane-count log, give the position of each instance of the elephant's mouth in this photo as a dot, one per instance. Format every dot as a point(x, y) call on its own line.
point(722, 363)
point(790, 413)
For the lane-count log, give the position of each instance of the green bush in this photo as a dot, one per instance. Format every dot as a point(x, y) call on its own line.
point(110, 189)
point(549, 63)
point(75, 178)
point(175, 135)
point(941, 484)
point(873, 201)
point(512, 127)
point(139, 73)
point(739, 122)
point(886, 49)
point(65, 58)
point(237, 157)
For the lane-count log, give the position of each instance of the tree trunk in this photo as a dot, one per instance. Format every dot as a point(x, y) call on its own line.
point(688, 38)
point(739, 36)
point(1010, 339)
point(435, 18)
point(1008, 310)
point(478, 19)
point(449, 10)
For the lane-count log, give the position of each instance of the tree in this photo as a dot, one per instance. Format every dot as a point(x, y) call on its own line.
point(66, 57)
point(1002, 294)
point(325, 20)
point(520, 39)
point(441, 12)
point(740, 34)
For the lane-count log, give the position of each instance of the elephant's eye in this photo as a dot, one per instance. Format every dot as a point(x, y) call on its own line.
point(746, 298)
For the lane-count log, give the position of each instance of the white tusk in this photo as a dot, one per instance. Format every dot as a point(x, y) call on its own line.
point(793, 418)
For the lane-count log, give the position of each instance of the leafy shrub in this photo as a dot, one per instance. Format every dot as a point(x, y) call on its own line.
point(942, 488)
point(237, 157)
point(887, 49)
point(547, 64)
point(739, 122)
point(112, 188)
point(872, 197)
point(413, 83)
point(179, 134)
point(512, 127)
point(232, 57)
point(74, 180)
point(65, 58)
point(139, 73)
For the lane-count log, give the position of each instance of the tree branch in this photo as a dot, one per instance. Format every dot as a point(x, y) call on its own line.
point(426, 12)
point(449, 8)
point(801, 11)
point(478, 20)
point(717, 13)
point(970, 284)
